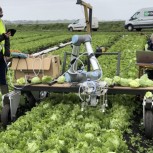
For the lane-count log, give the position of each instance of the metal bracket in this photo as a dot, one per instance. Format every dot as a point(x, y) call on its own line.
point(14, 99)
point(147, 104)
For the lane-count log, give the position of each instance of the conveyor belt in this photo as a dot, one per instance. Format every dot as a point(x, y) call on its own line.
point(74, 87)
point(66, 87)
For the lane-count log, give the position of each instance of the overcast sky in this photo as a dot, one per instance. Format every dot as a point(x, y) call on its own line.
point(68, 9)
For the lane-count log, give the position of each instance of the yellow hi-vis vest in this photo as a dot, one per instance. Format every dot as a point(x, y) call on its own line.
point(2, 30)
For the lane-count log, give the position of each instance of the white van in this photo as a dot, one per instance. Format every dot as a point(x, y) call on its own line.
point(143, 18)
point(80, 25)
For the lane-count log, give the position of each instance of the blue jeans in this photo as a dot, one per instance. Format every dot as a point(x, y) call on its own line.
point(3, 71)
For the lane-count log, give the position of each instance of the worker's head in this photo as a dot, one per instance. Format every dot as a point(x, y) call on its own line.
point(1, 12)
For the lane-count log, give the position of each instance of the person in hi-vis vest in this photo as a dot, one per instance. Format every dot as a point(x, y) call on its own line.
point(149, 45)
point(4, 53)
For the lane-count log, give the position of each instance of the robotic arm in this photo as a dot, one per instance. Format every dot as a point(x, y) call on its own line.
point(75, 75)
point(91, 87)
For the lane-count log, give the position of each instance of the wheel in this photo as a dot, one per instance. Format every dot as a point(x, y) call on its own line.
point(43, 94)
point(31, 101)
point(71, 29)
point(94, 29)
point(5, 115)
point(130, 27)
point(149, 124)
point(138, 29)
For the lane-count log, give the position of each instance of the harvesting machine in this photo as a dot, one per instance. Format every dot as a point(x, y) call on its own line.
point(91, 90)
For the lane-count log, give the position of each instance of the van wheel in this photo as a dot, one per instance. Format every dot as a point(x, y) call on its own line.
point(85, 29)
point(130, 27)
point(94, 29)
point(138, 29)
point(71, 29)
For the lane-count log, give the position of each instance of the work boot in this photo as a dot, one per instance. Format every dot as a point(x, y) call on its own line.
point(4, 90)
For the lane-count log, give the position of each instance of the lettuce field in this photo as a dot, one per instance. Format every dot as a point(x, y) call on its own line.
point(57, 124)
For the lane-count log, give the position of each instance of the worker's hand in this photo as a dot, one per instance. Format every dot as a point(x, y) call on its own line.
point(8, 59)
point(8, 34)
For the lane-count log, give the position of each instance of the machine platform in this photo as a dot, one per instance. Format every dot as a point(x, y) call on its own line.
point(74, 87)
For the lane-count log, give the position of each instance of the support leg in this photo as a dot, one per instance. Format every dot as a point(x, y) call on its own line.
point(4, 90)
point(30, 98)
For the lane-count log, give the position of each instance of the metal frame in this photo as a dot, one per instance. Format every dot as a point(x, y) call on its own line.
point(87, 17)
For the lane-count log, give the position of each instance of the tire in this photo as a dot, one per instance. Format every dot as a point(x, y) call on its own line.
point(85, 29)
point(149, 124)
point(71, 29)
point(138, 29)
point(94, 29)
point(5, 115)
point(130, 27)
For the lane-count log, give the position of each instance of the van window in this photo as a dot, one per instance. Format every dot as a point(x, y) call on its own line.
point(75, 22)
point(135, 16)
point(148, 13)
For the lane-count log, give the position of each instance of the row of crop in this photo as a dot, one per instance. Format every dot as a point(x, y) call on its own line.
point(29, 39)
point(31, 34)
point(40, 44)
point(23, 37)
point(104, 39)
point(58, 125)
point(127, 47)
